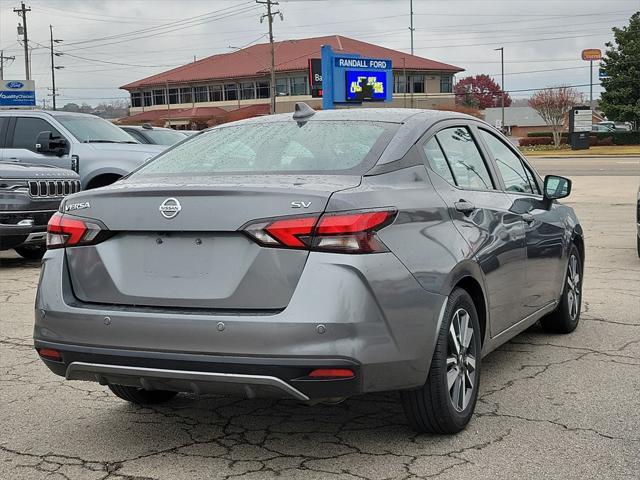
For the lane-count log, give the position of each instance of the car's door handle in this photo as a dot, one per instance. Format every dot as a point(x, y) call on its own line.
point(464, 207)
point(527, 217)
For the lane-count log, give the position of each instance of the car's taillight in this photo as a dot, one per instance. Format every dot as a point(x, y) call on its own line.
point(66, 231)
point(343, 232)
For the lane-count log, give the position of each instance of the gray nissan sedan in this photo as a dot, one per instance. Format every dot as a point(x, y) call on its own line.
point(312, 256)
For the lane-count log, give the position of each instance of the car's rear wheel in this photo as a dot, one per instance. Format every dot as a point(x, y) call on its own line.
point(141, 396)
point(565, 318)
point(445, 403)
point(32, 253)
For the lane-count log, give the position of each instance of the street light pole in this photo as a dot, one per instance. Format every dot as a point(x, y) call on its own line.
point(411, 23)
point(502, 83)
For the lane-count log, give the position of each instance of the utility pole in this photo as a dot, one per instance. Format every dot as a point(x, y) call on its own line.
point(22, 12)
point(411, 23)
point(2, 59)
point(269, 15)
point(53, 67)
point(502, 83)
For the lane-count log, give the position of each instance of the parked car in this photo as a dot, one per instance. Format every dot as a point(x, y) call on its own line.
point(312, 256)
point(154, 135)
point(620, 126)
point(95, 148)
point(29, 195)
point(597, 127)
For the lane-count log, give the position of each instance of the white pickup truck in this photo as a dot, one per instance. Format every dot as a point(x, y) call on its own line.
point(97, 150)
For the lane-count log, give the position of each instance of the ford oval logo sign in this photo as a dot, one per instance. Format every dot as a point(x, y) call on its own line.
point(170, 208)
point(15, 85)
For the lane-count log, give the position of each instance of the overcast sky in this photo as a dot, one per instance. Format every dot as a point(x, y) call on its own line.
point(102, 53)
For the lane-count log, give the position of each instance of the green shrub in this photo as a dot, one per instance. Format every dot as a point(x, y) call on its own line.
point(530, 142)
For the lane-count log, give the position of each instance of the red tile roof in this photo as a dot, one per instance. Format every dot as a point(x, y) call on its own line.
point(291, 55)
point(212, 115)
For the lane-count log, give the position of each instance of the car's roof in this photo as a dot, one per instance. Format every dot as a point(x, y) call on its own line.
point(412, 123)
point(391, 115)
point(144, 129)
point(38, 113)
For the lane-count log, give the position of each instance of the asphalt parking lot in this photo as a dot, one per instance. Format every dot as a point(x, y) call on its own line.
point(550, 406)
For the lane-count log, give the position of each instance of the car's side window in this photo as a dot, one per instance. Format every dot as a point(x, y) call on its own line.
point(532, 180)
point(437, 160)
point(464, 158)
point(27, 130)
point(509, 165)
point(137, 136)
point(4, 123)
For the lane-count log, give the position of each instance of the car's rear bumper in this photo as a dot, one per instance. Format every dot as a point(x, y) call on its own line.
point(12, 236)
point(250, 376)
point(363, 312)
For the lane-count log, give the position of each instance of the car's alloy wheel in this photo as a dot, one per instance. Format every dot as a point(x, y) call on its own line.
point(573, 287)
point(461, 360)
point(445, 403)
point(565, 318)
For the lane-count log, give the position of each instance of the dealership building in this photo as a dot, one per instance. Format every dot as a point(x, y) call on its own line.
point(235, 85)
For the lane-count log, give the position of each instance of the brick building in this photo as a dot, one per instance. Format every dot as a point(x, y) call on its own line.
point(235, 85)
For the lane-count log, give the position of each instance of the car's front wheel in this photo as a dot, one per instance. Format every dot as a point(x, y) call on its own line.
point(566, 316)
point(140, 396)
point(445, 403)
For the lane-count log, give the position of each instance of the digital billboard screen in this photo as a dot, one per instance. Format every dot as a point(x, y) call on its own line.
point(366, 85)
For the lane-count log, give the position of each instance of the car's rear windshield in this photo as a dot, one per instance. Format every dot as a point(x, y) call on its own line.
point(323, 147)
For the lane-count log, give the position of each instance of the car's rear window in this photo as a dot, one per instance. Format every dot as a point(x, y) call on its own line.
point(277, 147)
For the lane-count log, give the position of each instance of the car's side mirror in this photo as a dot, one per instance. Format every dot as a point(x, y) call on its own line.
point(556, 187)
point(47, 143)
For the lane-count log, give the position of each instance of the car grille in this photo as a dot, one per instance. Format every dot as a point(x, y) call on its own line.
point(52, 188)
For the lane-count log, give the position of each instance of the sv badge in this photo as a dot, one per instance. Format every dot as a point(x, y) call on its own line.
point(300, 204)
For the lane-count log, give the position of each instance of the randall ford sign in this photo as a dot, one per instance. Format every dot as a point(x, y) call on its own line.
point(17, 93)
point(368, 63)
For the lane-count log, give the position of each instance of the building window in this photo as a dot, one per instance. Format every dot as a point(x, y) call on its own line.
point(400, 84)
point(147, 99)
point(136, 99)
point(417, 83)
point(158, 97)
point(446, 83)
point(201, 93)
point(186, 95)
point(231, 91)
point(173, 96)
point(299, 86)
point(282, 86)
point(247, 90)
point(262, 90)
point(215, 93)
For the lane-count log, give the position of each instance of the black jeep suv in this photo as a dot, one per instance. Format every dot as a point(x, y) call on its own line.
point(29, 195)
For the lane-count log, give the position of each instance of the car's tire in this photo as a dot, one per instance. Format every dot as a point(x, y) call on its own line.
point(140, 396)
point(445, 403)
point(565, 318)
point(32, 253)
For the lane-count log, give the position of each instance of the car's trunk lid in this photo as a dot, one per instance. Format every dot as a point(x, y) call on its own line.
point(198, 258)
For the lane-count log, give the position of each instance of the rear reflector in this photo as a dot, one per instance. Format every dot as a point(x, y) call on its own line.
point(66, 231)
point(332, 373)
point(344, 232)
point(50, 354)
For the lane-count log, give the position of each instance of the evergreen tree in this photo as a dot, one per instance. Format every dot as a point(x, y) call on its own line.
point(621, 99)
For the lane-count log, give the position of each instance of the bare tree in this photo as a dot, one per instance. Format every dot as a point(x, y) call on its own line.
point(553, 105)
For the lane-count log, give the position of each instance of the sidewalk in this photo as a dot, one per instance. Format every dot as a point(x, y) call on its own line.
point(608, 151)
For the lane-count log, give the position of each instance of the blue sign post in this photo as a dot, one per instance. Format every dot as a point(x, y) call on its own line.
point(17, 93)
point(349, 78)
